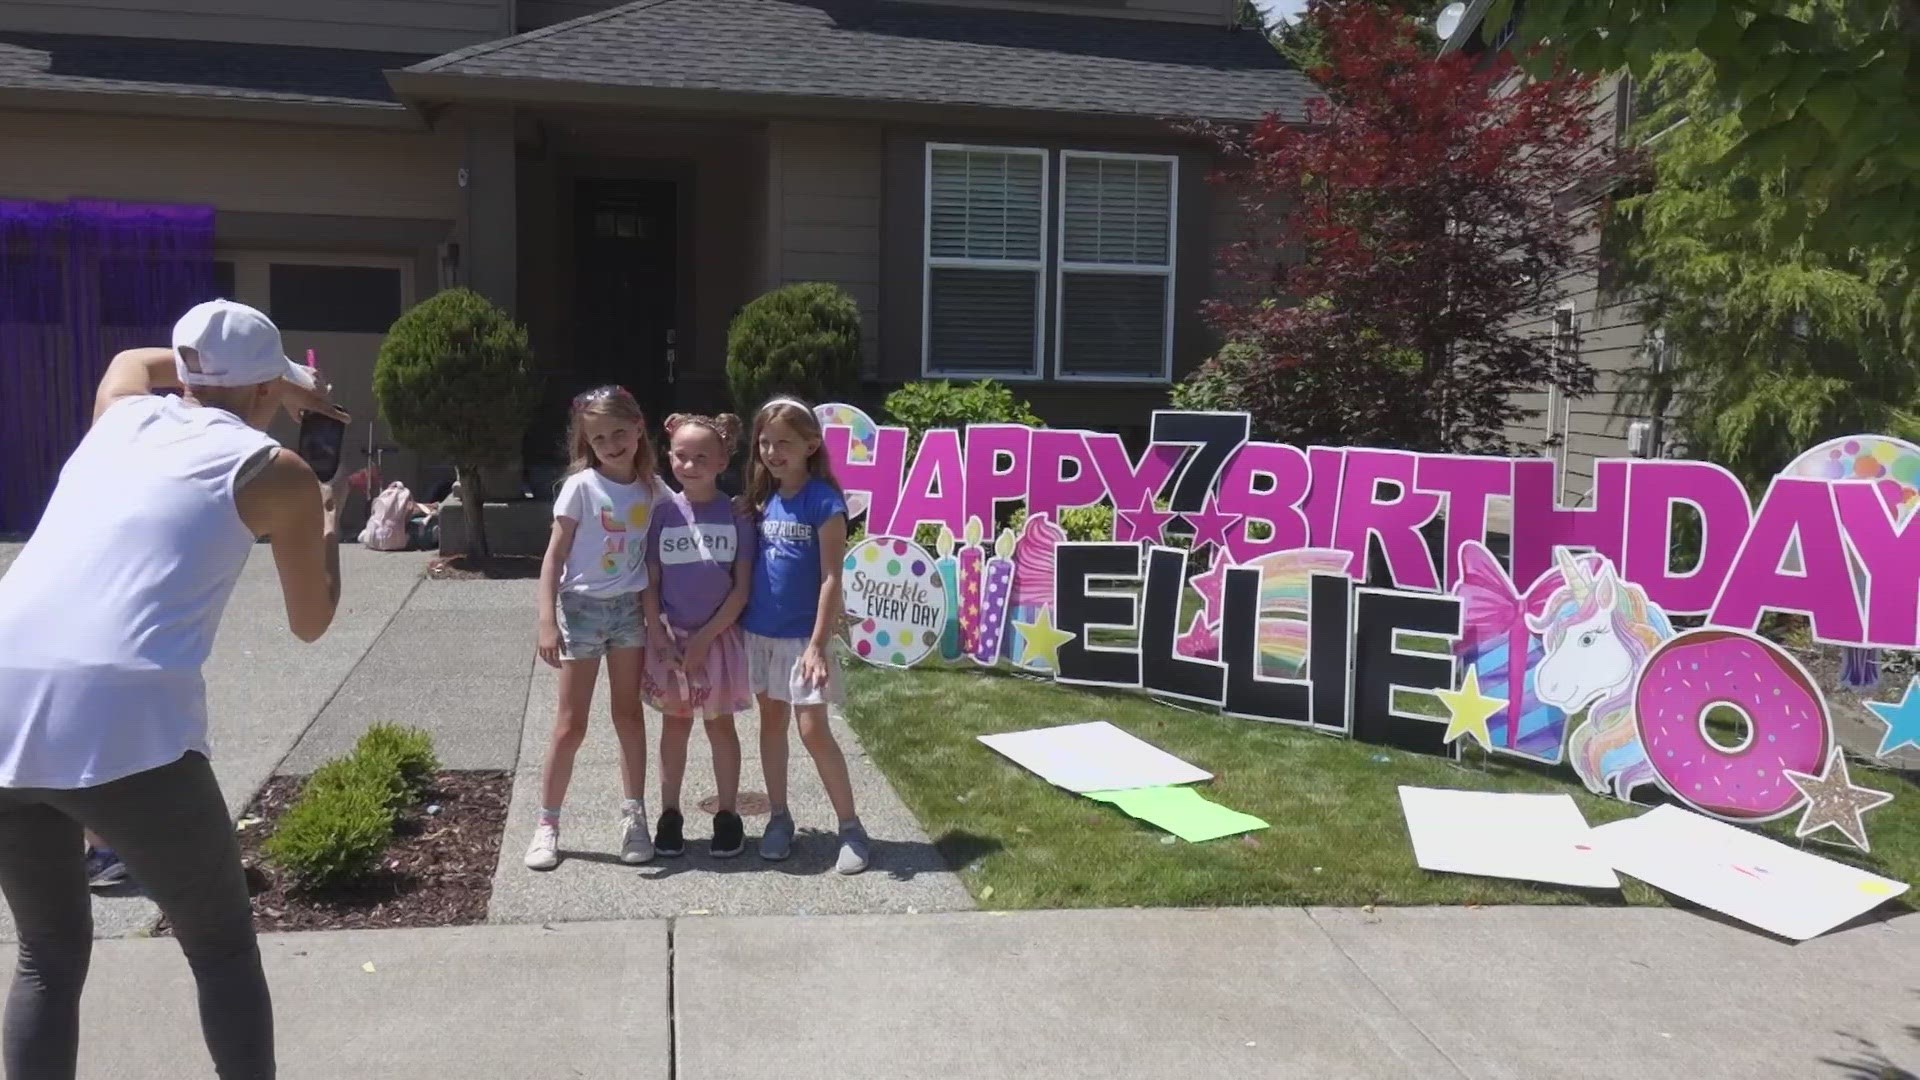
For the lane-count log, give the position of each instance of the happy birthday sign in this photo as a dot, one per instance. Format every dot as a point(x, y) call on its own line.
point(1566, 654)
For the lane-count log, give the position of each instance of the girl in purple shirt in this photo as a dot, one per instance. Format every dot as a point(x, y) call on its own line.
point(700, 552)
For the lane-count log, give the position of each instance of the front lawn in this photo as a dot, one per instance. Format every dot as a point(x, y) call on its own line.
point(1337, 836)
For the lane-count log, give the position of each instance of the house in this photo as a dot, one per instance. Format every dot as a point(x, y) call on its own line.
point(1595, 320)
point(1000, 184)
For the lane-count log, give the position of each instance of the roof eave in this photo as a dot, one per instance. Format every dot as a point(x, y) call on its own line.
point(211, 106)
point(425, 91)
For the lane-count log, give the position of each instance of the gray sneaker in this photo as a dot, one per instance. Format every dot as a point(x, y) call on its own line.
point(855, 850)
point(776, 842)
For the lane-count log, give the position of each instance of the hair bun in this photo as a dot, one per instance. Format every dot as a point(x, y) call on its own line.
point(730, 426)
point(674, 422)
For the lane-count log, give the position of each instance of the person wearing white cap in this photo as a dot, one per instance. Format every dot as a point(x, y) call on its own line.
point(108, 614)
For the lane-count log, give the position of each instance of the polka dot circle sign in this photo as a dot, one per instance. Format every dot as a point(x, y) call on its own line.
point(896, 601)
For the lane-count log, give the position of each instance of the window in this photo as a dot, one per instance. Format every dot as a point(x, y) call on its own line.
point(985, 261)
point(1115, 315)
point(340, 299)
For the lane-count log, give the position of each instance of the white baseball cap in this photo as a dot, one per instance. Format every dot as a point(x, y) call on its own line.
point(223, 343)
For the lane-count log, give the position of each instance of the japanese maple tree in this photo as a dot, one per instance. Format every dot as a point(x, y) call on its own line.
point(1405, 246)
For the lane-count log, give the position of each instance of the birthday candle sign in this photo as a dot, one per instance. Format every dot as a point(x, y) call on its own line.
point(972, 564)
point(949, 569)
point(996, 592)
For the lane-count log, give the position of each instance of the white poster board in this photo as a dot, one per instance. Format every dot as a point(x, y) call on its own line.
point(1093, 757)
point(1750, 877)
point(1504, 835)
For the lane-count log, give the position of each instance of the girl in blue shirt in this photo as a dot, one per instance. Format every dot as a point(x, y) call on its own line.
point(792, 613)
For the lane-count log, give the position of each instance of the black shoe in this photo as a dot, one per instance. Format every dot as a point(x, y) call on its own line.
point(666, 838)
point(729, 835)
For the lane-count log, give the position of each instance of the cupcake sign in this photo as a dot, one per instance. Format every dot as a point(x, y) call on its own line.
point(896, 602)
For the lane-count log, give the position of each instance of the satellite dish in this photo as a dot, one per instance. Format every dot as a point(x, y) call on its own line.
point(1449, 20)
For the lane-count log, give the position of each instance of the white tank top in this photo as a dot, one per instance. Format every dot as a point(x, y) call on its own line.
point(109, 611)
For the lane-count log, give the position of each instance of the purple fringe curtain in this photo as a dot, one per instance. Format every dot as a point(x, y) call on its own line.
point(80, 281)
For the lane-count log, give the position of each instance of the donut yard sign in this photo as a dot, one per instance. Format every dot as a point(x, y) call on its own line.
point(1332, 581)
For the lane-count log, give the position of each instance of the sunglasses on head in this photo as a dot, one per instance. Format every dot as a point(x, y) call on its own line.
point(600, 393)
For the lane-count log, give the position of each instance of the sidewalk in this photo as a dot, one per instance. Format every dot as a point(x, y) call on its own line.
point(591, 883)
point(1493, 994)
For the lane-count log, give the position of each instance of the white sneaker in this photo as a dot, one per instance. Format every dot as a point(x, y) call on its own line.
point(544, 852)
point(636, 843)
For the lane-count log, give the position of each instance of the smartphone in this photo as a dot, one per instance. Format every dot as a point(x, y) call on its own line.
point(321, 438)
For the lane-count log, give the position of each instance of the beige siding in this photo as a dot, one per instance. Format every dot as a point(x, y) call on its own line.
point(534, 14)
point(823, 202)
point(1610, 337)
point(412, 26)
point(1216, 12)
point(235, 166)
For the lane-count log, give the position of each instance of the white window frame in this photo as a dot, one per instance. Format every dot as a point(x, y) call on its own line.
point(1137, 270)
point(928, 264)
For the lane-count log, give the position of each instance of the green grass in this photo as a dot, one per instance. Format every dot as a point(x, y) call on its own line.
point(1337, 836)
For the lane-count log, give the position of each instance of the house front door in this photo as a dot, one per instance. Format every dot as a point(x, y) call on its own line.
point(625, 289)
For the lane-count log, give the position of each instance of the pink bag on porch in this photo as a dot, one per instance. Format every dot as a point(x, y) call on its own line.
point(387, 519)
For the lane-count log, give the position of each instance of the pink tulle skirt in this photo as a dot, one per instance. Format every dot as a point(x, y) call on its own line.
point(718, 689)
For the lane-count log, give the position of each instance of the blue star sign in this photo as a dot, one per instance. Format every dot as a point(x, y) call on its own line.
point(1903, 720)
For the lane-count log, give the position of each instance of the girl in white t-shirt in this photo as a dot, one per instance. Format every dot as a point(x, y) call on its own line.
point(590, 586)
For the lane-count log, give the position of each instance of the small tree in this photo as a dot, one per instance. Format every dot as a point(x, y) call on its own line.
point(1779, 345)
point(802, 339)
point(1828, 95)
point(455, 377)
point(1398, 238)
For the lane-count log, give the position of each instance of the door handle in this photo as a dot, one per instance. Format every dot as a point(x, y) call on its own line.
point(672, 362)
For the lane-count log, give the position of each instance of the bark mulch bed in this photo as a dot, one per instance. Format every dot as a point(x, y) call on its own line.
point(438, 870)
point(493, 568)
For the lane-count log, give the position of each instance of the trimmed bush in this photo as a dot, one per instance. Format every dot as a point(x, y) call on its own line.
point(334, 835)
point(802, 339)
point(923, 406)
point(411, 750)
point(455, 377)
point(1084, 523)
point(1216, 386)
point(378, 772)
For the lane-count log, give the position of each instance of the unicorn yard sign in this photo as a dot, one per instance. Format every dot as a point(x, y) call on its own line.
point(1313, 567)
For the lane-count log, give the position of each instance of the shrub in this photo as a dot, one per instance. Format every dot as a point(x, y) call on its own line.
point(333, 835)
point(1084, 523)
point(377, 771)
point(455, 377)
point(801, 339)
point(1216, 386)
point(410, 749)
point(922, 406)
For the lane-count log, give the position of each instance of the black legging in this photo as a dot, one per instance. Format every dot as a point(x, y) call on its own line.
point(170, 826)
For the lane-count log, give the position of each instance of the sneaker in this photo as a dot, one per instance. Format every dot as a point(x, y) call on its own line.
point(667, 839)
point(544, 852)
point(636, 846)
point(776, 842)
point(729, 835)
point(855, 850)
point(104, 869)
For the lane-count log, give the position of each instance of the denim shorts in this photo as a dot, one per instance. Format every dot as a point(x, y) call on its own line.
point(591, 625)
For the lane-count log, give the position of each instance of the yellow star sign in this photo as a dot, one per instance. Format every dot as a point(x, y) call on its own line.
point(1041, 641)
point(1468, 710)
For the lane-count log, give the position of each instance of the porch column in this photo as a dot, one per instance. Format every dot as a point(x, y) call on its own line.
point(492, 219)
